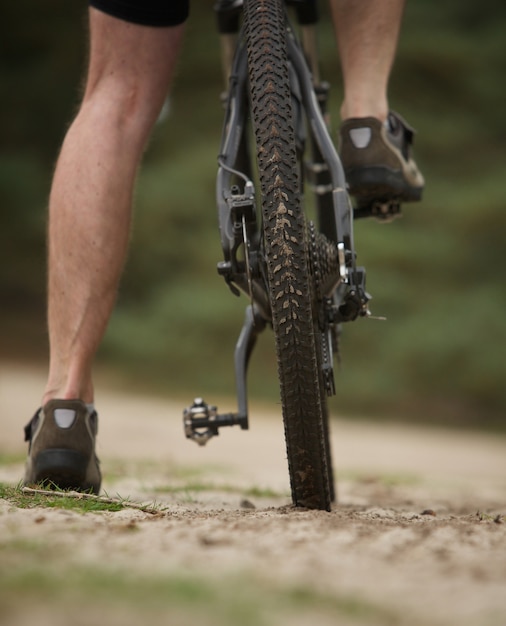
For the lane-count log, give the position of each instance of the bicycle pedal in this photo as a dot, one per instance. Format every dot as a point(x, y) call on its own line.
point(199, 422)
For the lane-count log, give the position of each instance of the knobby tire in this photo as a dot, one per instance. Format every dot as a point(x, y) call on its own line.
point(291, 289)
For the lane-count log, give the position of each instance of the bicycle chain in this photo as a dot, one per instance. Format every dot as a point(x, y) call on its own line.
point(313, 260)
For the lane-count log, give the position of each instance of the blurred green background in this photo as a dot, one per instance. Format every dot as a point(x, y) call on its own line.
point(437, 274)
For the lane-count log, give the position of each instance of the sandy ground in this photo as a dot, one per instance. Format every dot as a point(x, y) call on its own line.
point(418, 531)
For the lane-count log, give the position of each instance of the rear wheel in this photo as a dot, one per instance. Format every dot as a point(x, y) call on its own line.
point(292, 296)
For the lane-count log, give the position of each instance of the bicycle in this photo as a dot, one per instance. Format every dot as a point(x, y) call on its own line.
point(300, 274)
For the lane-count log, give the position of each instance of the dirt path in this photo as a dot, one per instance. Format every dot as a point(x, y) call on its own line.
point(224, 521)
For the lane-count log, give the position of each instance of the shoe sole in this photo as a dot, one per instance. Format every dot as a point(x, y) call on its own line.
point(381, 183)
point(63, 469)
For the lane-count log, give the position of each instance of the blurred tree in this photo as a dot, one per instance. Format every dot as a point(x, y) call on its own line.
point(438, 274)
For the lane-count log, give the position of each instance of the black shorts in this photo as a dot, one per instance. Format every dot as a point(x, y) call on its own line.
point(146, 12)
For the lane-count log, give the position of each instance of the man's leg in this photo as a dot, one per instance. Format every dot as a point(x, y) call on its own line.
point(367, 35)
point(130, 69)
point(374, 143)
point(129, 73)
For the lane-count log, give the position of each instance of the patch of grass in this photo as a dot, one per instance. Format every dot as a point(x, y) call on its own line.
point(7, 458)
point(55, 500)
point(385, 480)
point(125, 598)
point(264, 492)
point(25, 498)
point(485, 517)
point(118, 468)
point(187, 472)
point(201, 487)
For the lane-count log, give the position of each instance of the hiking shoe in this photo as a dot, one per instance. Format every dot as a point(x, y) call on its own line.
point(377, 160)
point(62, 447)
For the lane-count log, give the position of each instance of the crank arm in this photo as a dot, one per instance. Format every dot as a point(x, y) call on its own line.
point(201, 421)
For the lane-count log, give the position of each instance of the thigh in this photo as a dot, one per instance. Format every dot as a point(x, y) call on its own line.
point(146, 12)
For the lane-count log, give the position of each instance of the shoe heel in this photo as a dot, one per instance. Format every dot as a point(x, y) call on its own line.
point(64, 468)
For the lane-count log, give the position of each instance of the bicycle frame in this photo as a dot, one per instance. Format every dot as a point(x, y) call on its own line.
point(343, 287)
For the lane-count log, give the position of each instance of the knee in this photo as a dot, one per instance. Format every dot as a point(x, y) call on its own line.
point(126, 105)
